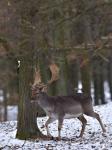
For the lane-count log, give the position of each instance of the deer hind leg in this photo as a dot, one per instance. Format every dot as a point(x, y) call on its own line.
point(96, 115)
point(50, 120)
point(84, 122)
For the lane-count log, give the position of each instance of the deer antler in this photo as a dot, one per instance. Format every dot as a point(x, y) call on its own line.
point(55, 76)
point(55, 72)
point(37, 78)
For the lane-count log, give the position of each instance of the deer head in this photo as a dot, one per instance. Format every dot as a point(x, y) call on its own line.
point(38, 86)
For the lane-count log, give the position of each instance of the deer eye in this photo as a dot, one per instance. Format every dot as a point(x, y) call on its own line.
point(40, 88)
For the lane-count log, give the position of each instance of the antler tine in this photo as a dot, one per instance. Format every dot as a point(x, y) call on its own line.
point(37, 77)
point(54, 77)
point(55, 73)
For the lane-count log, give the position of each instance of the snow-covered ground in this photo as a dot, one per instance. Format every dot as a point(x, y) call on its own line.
point(93, 137)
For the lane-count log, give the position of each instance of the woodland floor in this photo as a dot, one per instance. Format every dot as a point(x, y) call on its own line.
point(92, 139)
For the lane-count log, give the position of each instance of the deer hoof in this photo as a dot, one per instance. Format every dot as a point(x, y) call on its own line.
point(104, 134)
point(43, 126)
point(57, 138)
point(49, 135)
point(80, 136)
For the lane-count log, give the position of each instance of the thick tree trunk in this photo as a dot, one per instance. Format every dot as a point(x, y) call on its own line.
point(27, 122)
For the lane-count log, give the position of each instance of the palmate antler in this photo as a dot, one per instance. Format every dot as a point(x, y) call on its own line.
point(54, 77)
point(55, 73)
point(37, 78)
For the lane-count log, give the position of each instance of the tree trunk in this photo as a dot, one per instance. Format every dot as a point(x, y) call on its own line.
point(110, 76)
point(101, 85)
point(72, 77)
point(96, 91)
point(98, 81)
point(85, 77)
point(27, 122)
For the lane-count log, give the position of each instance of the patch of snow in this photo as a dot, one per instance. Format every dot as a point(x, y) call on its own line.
point(1, 96)
point(92, 139)
point(107, 91)
point(1, 99)
point(12, 112)
point(80, 87)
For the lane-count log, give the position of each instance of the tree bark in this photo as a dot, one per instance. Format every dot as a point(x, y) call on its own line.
point(85, 77)
point(96, 91)
point(72, 80)
point(110, 76)
point(27, 122)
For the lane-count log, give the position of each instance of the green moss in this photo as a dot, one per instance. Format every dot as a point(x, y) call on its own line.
point(22, 135)
point(26, 134)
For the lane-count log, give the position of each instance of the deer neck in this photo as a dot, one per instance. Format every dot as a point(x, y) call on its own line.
point(43, 99)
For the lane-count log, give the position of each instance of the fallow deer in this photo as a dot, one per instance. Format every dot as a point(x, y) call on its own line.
point(63, 107)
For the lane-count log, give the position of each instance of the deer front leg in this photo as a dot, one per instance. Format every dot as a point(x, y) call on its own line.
point(60, 122)
point(50, 120)
point(84, 122)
